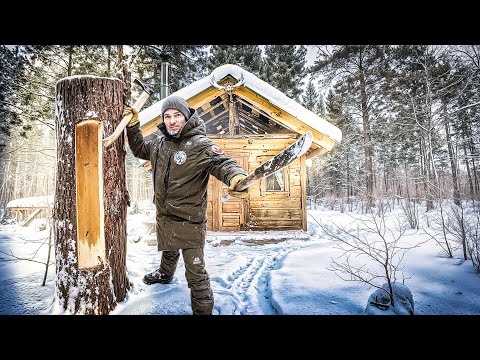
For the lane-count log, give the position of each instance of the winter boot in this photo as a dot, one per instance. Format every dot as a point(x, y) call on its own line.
point(157, 277)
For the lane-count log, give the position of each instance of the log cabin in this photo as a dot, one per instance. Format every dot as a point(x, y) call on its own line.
point(252, 121)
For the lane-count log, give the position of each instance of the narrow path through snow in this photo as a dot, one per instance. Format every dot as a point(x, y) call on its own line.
point(247, 284)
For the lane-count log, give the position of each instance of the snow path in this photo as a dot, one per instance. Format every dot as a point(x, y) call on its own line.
point(248, 285)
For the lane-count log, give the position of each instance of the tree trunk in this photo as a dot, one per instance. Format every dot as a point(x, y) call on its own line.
point(425, 170)
point(474, 167)
point(5, 184)
point(349, 185)
point(453, 161)
point(431, 175)
point(334, 184)
point(109, 60)
point(467, 166)
point(70, 60)
point(367, 142)
point(124, 73)
point(97, 289)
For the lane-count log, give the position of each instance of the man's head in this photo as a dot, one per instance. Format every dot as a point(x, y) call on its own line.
point(175, 113)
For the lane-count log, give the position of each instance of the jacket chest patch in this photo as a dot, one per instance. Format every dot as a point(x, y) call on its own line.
point(217, 149)
point(180, 157)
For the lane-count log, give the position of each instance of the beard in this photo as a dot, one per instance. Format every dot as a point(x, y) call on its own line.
point(172, 132)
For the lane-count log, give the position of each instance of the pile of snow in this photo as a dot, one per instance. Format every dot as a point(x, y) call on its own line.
point(379, 302)
point(219, 238)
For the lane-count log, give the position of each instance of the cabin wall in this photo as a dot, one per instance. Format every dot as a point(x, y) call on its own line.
point(265, 210)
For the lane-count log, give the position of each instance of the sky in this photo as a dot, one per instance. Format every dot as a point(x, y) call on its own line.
point(256, 273)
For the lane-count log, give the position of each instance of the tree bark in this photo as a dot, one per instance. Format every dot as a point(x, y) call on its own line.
point(94, 290)
point(467, 166)
point(453, 160)
point(474, 167)
point(367, 142)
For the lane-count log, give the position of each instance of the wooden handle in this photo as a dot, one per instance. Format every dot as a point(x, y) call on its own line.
point(142, 99)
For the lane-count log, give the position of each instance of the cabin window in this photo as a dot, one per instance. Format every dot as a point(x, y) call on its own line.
point(277, 184)
point(276, 181)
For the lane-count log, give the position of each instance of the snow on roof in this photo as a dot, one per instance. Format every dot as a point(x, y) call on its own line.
point(37, 201)
point(252, 82)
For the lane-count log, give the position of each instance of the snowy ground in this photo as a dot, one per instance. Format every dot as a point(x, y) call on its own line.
point(276, 273)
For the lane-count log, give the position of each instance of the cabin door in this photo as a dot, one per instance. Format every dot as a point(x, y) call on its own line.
point(231, 214)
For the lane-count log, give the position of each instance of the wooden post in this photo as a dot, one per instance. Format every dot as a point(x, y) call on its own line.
point(90, 196)
point(231, 115)
point(303, 193)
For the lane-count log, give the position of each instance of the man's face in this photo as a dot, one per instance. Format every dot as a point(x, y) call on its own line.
point(174, 121)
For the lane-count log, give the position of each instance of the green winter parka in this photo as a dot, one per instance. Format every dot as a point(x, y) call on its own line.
point(181, 166)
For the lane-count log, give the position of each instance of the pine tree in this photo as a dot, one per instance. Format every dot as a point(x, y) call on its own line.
point(345, 158)
point(358, 68)
point(249, 57)
point(310, 99)
point(284, 68)
point(187, 64)
point(321, 107)
point(11, 67)
point(466, 118)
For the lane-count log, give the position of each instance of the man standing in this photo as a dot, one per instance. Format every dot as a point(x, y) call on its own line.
point(183, 158)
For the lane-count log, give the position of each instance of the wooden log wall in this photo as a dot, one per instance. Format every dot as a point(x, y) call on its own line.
point(283, 210)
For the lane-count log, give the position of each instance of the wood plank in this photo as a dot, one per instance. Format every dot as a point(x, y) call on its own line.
point(205, 108)
point(231, 206)
point(303, 187)
point(231, 221)
point(314, 152)
point(28, 208)
point(274, 214)
point(286, 203)
point(29, 219)
point(254, 191)
point(295, 182)
point(231, 228)
point(255, 139)
point(89, 193)
point(231, 117)
point(277, 224)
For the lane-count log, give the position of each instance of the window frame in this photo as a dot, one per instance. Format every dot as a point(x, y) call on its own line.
point(286, 179)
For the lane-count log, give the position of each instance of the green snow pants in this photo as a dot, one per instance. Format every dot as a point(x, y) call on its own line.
point(201, 294)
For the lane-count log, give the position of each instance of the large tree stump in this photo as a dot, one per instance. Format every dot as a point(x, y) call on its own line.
point(92, 286)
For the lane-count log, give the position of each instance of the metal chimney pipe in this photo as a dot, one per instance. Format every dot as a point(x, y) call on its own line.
point(164, 77)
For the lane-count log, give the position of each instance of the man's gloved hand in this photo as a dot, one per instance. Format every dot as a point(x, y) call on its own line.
point(128, 111)
point(239, 194)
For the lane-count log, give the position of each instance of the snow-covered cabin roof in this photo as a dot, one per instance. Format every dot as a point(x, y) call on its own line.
point(266, 92)
point(31, 202)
